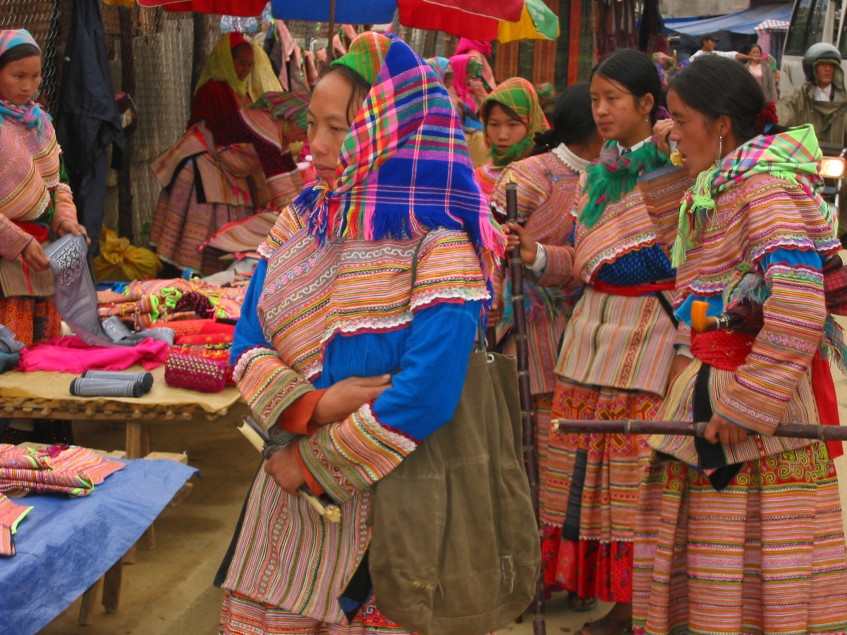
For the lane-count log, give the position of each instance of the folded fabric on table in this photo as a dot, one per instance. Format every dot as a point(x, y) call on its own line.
point(10, 515)
point(59, 469)
point(72, 355)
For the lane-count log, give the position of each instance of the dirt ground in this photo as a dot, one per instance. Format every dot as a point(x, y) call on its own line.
point(168, 590)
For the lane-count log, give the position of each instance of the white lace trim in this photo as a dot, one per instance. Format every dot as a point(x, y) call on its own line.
point(567, 156)
point(469, 295)
point(397, 440)
point(247, 357)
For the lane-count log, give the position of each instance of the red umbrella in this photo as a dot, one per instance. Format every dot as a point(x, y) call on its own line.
point(240, 8)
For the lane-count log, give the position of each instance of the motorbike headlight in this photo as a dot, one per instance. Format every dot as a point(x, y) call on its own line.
point(832, 167)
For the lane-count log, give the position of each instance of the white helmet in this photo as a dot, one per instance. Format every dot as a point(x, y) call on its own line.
point(818, 53)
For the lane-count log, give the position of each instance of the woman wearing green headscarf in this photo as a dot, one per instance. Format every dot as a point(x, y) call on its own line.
point(512, 116)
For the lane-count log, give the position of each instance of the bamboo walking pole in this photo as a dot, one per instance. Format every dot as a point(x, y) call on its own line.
point(539, 626)
point(691, 428)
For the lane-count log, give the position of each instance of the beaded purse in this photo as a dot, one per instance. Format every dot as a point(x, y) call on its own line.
point(195, 373)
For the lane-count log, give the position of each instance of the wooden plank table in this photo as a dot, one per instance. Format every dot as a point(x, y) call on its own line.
point(46, 395)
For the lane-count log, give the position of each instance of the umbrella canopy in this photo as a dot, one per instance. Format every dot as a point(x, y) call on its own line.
point(475, 19)
point(239, 8)
point(501, 20)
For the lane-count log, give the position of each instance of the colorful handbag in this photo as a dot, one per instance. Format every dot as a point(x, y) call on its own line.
point(195, 373)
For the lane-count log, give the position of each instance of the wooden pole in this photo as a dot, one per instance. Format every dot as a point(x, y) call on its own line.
point(527, 411)
point(125, 205)
point(692, 429)
point(330, 52)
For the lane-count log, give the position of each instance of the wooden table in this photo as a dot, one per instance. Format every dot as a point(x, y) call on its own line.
point(46, 395)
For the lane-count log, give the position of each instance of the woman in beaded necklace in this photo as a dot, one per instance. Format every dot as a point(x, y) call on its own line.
point(618, 346)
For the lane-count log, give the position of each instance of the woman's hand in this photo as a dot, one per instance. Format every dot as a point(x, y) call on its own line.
point(495, 313)
point(68, 226)
point(285, 469)
point(35, 256)
point(661, 129)
point(518, 236)
point(345, 397)
point(723, 430)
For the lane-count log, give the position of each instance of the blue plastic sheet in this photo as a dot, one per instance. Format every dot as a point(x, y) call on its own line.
point(65, 544)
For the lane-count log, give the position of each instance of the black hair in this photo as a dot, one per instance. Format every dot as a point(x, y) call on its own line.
point(716, 86)
point(490, 103)
point(573, 122)
point(19, 52)
point(707, 38)
point(636, 72)
point(361, 86)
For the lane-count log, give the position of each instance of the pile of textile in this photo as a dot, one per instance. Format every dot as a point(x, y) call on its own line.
point(59, 469)
point(143, 302)
point(201, 315)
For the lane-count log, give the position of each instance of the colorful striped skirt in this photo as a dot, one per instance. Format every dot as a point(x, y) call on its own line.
point(591, 492)
point(181, 223)
point(32, 319)
point(765, 555)
point(242, 616)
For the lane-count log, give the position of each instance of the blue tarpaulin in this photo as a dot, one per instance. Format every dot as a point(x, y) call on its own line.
point(741, 22)
point(65, 544)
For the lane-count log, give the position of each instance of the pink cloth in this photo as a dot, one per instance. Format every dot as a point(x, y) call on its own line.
point(459, 66)
point(467, 45)
point(72, 355)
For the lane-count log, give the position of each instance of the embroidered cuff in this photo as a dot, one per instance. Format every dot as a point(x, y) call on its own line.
point(269, 387)
point(351, 455)
point(558, 266)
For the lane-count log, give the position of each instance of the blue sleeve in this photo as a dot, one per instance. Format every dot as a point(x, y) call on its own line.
point(425, 392)
point(248, 331)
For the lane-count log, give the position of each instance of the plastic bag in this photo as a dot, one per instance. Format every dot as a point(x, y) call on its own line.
point(120, 260)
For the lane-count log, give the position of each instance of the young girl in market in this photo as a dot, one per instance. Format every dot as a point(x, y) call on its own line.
point(34, 195)
point(512, 116)
point(741, 532)
point(547, 188)
point(618, 346)
point(35, 200)
point(340, 255)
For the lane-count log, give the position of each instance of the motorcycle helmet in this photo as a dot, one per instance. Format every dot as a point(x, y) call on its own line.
point(818, 53)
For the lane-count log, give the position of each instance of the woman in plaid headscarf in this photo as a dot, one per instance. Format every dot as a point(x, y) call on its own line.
point(333, 310)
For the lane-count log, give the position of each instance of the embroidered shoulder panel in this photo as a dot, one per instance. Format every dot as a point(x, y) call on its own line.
point(313, 292)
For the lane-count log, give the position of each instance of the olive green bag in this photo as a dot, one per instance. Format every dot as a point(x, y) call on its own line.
point(455, 543)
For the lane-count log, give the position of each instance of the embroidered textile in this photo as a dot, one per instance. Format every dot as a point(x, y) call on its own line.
point(547, 190)
point(774, 529)
point(10, 515)
point(644, 217)
point(72, 470)
point(596, 476)
point(793, 155)
point(612, 175)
